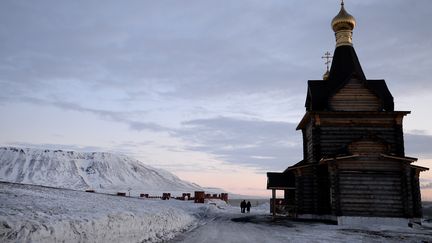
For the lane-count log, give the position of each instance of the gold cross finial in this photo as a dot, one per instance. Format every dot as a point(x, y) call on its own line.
point(327, 56)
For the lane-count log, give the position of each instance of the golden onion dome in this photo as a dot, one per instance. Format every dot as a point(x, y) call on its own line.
point(343, 20)
point(326, 75)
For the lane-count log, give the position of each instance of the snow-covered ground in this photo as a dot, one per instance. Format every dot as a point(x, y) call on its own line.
point(40, 214)
point(31, 213)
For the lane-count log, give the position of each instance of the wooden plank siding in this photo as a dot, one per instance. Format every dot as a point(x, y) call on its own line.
point(317, 151)
point(329, 137)
point(358, 121)
point(299, 193)
point(323, 194)
point(407, 191)
point(367, 147)
point(306, 190)
point(373, 186)
point(371, 164)
point(334, 189)
point(332, 139)
point(371, 194)
point(313, 190)
point(417, 207)
point(309, 144)
point(354, 96)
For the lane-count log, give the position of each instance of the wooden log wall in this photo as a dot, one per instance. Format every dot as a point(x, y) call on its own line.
point(305, 191)
point(299, 193)
point(354, 96)
point(312, 142)
point(289, 196)
point(357, 120)
point(333, 139)
point(323, 193)
point(407, 191)
point(399, 143)
point(308, 191)
point(417, 207)
point(334, 188)
point(367, 147)
point(371, 187)
point(332, 133)
point(308, 143)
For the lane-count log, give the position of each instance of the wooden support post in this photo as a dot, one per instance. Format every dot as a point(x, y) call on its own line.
point(274, 202)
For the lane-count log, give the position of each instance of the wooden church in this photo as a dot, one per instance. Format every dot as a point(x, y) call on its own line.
point(354, 162)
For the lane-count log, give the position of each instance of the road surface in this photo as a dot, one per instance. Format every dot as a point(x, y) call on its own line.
point(231, 226)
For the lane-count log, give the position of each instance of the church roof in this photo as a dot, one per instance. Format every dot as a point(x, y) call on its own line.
point(345, 66)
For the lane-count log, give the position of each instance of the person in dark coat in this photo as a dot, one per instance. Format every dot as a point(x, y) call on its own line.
point(248, 206)
point(243, 206)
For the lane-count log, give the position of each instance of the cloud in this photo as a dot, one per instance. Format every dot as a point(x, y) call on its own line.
point(266, 145)
point(418, 145)
point(116, 116)
point(201, 48)
point(193, 50)
point(131, 55)
point(149, 62)
point(426, 186)
point(425, 183)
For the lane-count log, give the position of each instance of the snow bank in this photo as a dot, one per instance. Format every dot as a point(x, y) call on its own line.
point(40, 214)
point(216, 202)
point(263, 208)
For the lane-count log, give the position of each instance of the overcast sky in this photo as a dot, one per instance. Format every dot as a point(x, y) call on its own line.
point(209, 90)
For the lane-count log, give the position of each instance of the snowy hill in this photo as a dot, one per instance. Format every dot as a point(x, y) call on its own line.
point(77, 170)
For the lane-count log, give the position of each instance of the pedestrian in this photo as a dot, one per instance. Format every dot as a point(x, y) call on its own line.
point(243, 206)
point(248, 206)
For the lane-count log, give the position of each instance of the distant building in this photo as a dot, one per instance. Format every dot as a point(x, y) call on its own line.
point(354, 162)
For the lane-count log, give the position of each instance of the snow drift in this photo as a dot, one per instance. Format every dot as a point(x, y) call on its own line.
point(39, 214)
point(78, 170)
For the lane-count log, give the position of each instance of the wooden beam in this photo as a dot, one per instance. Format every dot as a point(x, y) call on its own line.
point(274, 202)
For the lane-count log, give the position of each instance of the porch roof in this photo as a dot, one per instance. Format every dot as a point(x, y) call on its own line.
point(280, 181)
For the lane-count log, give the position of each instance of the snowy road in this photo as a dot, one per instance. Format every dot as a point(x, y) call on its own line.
point(260, 227)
